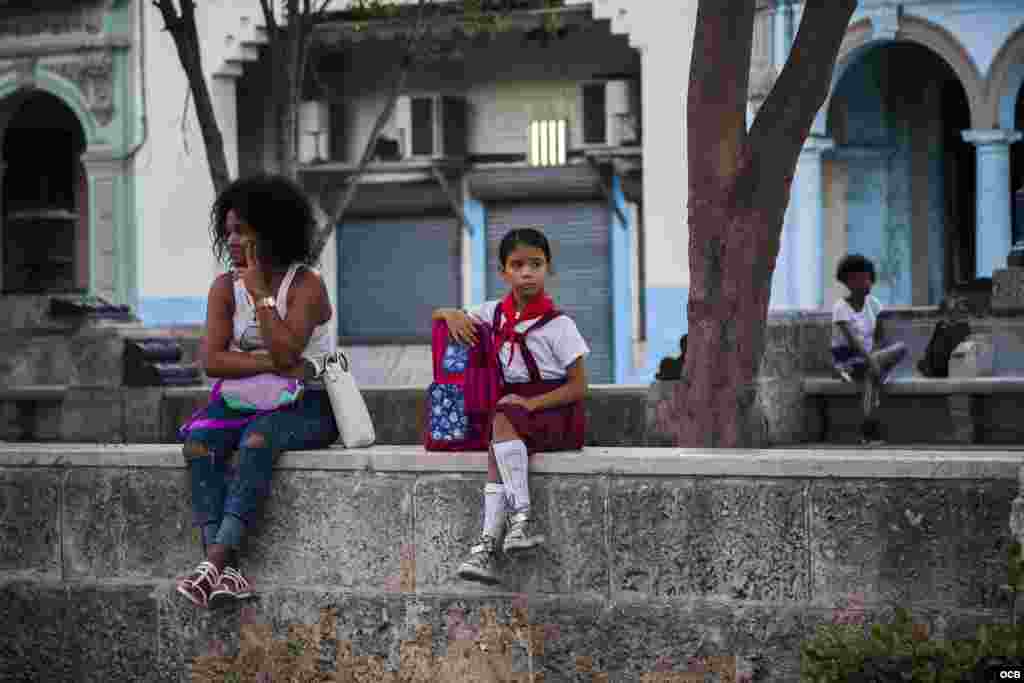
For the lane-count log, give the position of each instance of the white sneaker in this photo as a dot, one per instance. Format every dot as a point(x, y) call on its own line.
point(482, 562)
point(522, 534)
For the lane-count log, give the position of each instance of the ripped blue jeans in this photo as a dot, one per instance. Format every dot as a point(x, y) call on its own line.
point(227, 488)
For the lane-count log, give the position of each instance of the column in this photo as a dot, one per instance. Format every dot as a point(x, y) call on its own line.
point(783, 38)
point(622, 281)
point(809, 233)
point(112, 261)
point(993, 231)
point(474, 243)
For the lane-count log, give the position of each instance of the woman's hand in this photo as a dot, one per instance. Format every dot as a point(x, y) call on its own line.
point(461, 327)
point(519, 401)
point(254, 277)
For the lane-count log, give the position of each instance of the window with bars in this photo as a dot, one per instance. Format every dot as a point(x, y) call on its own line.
point(547, 143)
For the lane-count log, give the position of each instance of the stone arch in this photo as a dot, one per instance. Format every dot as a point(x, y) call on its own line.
point(860, 38)
point(20, 83)
point(1005, 79)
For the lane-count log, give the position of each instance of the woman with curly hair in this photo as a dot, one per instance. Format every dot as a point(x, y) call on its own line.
point(268, 315)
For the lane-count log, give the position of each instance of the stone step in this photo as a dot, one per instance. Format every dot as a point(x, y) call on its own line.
point(653, 555)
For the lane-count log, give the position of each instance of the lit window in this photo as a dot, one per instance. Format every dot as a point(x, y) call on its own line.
point(547, 143)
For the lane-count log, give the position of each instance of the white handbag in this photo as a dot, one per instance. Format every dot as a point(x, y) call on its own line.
point(347, 404)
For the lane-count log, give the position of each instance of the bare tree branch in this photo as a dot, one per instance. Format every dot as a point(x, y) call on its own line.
point(184, 33)
point(784, 120)
point(412, 42)
point(268, 16)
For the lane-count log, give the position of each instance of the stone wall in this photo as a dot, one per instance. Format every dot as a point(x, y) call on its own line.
point(652, 556)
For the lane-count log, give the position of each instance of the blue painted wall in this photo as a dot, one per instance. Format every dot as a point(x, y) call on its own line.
point(666, 322)
point(162, 311)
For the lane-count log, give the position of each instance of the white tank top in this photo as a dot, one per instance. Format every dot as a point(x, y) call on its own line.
point(246, 327)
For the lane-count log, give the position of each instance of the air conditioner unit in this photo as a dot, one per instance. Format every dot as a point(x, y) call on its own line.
point(431, 126)
point(314, 131)
point(609, 115)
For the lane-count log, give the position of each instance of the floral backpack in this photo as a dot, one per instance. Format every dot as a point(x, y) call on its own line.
point(465, 390)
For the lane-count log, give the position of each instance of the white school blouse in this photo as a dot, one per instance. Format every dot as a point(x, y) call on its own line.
point(862, 323)
point(246, 326)
point(555, 346)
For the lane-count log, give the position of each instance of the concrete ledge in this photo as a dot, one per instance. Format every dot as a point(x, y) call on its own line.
point(635, 462)
point(650, 552)
point(920, 386)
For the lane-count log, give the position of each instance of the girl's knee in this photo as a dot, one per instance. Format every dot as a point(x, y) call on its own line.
point(503, 429)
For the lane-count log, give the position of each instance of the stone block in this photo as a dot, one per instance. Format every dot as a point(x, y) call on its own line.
point(32, 633)
point(93, 414)
point(97, 357)
point(781, 403)
point(616, 417)
point(111, 634)
point(998, 419)
point(906, 541)
point(570, 512)
point(658, 404)
point(1007, 289)
point(1008, 346)
point(397, 413)
point(177, 407)
point(30, 521)
point(739, 539)
point(143, 414)
point(127, 524)
point(325, 528)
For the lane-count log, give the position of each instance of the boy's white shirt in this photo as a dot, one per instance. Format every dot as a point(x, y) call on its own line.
point(555, 346)
point(862, 324)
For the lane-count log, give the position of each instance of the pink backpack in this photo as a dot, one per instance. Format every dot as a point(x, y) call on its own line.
point(466, 388)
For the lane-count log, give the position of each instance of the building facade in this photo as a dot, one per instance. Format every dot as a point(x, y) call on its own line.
point(911, 162)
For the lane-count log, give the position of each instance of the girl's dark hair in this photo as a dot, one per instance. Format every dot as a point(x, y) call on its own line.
point(524, 237)
point(855, 263)
point(277, 209)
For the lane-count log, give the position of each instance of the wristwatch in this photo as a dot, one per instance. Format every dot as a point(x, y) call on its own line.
point(266, 302)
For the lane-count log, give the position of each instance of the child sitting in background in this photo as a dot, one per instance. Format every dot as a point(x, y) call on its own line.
point(857, 335)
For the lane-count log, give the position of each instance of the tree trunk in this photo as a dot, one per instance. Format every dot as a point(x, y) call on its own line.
point(739, 190)
point(182, 28)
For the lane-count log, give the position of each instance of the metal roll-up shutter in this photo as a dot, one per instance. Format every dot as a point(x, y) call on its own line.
point(392, 273)
point(579, 236)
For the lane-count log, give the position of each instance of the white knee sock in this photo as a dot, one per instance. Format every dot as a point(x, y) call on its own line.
point(494, 509)
point(511, 459)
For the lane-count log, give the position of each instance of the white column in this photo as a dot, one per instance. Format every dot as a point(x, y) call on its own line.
point(809, 234)
point(993, 231)
point(783, 30)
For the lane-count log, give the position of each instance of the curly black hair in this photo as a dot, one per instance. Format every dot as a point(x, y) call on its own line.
point(855, 263)
point(277, 209)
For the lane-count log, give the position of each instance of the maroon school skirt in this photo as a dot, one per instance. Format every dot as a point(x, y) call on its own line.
point(554, 429)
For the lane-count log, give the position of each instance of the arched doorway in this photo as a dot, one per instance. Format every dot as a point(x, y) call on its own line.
point(45, 213)
point(906, 178)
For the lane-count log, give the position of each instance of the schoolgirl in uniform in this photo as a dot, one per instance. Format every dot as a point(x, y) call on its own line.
point(540, 353)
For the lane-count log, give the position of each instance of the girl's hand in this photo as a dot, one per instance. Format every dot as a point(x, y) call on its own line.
point(254, 277)
point(461, 328)
point(517, 400)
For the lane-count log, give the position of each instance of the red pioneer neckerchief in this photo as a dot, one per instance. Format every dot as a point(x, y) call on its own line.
point(538, 306)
